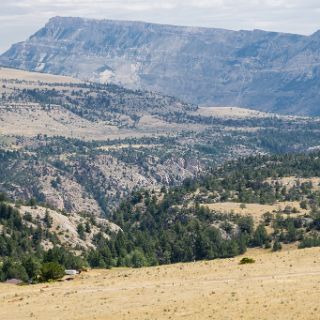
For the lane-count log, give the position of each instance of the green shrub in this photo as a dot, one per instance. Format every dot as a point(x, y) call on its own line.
point(32, 267)
point(138, 259)
point(3, 197)
point(247, 261)
point(14, 270)
point(260, 237)
point(276, 246)
point(310, 241)
point(51, 271)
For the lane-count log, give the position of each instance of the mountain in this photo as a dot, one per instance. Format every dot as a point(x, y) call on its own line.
point(262, 70)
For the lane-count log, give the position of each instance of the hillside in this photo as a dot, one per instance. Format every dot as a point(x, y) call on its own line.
point(81, 147)
point(188, 223)
point(92, 176)
point(278, 286)
point(89, 173)
point(177, 190)
point(268, 202)
point(38, 103)
point(47, 228)
point(268, 71)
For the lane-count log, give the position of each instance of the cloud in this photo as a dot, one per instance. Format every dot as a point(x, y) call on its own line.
point(19, 18)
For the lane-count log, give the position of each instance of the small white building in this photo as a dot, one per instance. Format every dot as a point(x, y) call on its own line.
point(71, 272)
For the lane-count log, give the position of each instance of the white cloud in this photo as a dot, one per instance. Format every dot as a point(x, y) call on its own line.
point(19, 18)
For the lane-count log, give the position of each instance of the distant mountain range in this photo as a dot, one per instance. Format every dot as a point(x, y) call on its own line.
point(268, 71)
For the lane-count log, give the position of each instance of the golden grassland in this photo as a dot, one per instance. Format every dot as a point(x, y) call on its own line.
point(240, 113)
point(254, 209)
point(231, 112)
point(21, 75)
point(282, 285)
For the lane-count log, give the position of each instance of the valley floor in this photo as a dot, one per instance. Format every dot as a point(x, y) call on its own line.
point(284, 285)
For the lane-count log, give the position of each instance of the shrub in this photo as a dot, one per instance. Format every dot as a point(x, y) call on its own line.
point(28, 217)
point(247, 261)
point(138, 259)
point(2, 275)
point(310, 241)
point(14, 270)
point(51, 271)
point(303, 204)
point(260, 237)
point(267, 218)
point(276, 246)
point(246, 225)
point(32, 267)
point(3, 197)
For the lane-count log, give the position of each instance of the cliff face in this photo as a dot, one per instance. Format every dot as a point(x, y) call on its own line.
point(262, 70)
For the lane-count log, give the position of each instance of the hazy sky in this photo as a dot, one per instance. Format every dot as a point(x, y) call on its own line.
point(20, 18)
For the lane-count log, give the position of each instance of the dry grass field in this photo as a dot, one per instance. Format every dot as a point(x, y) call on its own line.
point(231, 112)
point(284, 285)
point(16, 74)
point(254, 209)
point(239, 113)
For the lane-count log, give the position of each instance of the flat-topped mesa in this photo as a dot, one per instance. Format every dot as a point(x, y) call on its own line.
point(268, 71)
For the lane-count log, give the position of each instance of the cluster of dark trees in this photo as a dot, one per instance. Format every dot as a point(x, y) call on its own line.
point(21, 253)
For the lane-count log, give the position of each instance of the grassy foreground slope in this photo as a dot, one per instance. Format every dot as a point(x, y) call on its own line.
point(282, 285)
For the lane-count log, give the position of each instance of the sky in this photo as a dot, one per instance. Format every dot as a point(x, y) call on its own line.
point(21, 18)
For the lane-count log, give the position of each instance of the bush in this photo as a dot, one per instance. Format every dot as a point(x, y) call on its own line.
point(14, 270)
point(267, 218)
point(138, 259)
point(246, 225)
point(3, 197)
point(310, 241)
point(276, 246)
point(303, 204)
point(32, 267)
point(260, 237)
point(63, 257)
point(51, 271)
point(2, 275)
point(247, 261)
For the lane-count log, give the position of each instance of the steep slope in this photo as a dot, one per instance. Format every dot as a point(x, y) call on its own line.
point(264, 70)
point(57, 227)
